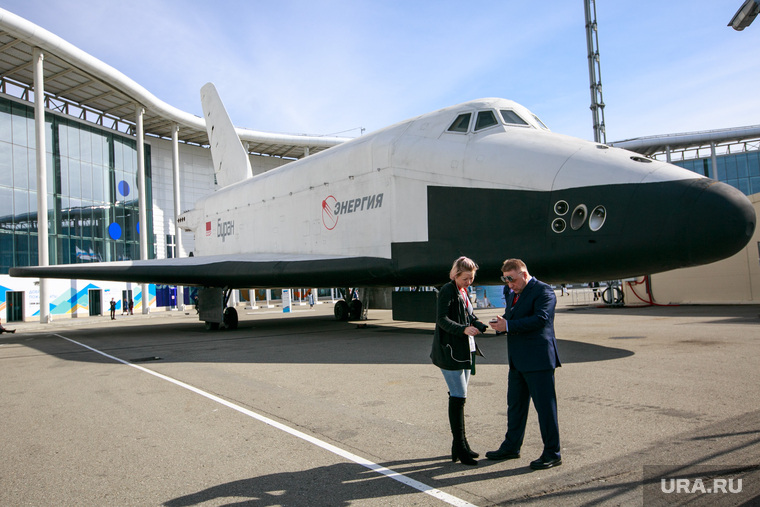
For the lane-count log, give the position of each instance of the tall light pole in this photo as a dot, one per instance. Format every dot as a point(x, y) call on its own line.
point(595, 73)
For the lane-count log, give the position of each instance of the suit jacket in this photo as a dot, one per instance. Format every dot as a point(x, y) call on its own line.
point(451, 347)
point(531, 343)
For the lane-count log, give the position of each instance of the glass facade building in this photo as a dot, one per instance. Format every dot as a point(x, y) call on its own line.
point(91, 191)
point(740, 170)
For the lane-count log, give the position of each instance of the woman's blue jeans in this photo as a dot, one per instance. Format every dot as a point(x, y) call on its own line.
point(457, 381)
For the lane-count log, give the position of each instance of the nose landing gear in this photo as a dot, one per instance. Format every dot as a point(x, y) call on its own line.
point(213, 309)
point(348, 308)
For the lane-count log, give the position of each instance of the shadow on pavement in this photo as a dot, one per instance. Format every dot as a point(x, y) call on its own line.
point(303, 340)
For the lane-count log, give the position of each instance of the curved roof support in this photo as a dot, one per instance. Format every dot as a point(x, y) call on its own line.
point(98, 71)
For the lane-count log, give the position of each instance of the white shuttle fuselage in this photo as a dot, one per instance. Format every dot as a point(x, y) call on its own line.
point(561, 202)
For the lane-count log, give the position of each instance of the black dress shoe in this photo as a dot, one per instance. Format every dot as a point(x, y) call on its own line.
point(502, 454)
point(544, 463)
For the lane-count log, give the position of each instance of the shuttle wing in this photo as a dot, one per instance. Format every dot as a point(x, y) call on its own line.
point(234, 271)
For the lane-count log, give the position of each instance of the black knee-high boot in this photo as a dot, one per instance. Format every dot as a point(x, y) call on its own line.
point(459, 449)
point(464, 431)
point(472, 453)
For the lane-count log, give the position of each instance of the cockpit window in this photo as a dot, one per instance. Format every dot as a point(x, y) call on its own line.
point(540, 122)
point(512, 118)
point(461, 124)
point(485, 119)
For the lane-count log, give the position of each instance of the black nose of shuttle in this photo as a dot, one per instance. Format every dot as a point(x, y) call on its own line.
point(719, 221)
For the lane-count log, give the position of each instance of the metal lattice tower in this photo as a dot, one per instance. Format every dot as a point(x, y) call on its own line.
point(595, 73)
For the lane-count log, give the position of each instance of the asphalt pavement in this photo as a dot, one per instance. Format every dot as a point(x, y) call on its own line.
point(298, 409)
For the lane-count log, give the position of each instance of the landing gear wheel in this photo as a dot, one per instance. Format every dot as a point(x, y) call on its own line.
point(341, 310)
point(355, 310)
point(230, 318)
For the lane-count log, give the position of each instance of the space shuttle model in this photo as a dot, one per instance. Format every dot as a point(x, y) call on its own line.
point(485, 179)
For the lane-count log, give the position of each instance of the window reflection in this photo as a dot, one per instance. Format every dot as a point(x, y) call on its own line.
point(461, 124)
point(91, 188)
point(512, 118)
point(485, 119)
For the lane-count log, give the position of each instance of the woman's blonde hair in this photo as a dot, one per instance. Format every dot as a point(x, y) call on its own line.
point(461, 265)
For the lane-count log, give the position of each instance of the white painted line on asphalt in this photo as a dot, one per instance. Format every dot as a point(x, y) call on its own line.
point(419, 486)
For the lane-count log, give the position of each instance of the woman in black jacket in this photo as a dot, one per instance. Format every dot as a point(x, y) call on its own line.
point(454, 349)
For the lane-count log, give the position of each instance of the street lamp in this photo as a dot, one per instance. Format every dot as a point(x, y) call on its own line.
point(745, 15)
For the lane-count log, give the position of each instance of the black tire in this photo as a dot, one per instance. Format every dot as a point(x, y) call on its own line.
point(612, 296)
point(341, 310)
point(230, 318)
point(355, 310)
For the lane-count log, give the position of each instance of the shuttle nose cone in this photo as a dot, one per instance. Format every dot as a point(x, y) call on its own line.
point(719, 222)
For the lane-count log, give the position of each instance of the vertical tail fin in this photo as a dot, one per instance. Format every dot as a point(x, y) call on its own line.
point(231, 163)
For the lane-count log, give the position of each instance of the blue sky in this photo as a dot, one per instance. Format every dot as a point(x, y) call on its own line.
point(326, 67)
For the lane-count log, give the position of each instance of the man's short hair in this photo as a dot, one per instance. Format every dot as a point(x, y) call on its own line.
point(513, 265)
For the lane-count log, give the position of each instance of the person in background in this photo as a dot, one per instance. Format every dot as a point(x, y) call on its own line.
point(5, 330)
point(454, 350)
point(595, 288)
point(113, 309)
point(507, 294)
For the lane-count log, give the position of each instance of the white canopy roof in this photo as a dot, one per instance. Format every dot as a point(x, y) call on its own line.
point(102, 94)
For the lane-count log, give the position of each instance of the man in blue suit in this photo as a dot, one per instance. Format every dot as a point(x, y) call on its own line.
point(532, 348)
